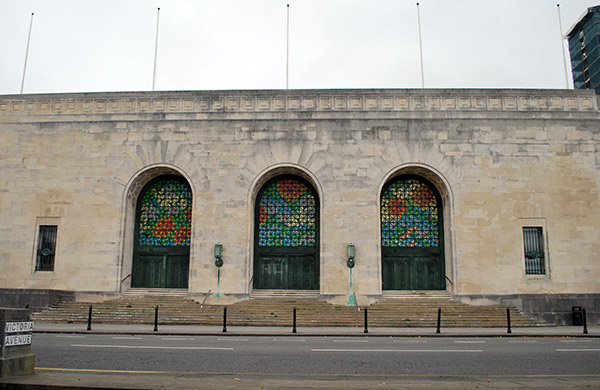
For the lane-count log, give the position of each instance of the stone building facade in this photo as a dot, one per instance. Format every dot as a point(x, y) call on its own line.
point(490, 195)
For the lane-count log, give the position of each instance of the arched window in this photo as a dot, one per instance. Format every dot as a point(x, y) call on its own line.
point(162, 234)
point(411, 235)
point(286, 235)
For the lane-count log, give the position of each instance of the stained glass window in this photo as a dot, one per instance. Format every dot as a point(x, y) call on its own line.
point(166, 214)
point(287, 215)
point(409, 215)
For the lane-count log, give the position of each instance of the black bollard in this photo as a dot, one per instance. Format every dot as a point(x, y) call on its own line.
point(439, 321)
point(585, 331)
point(156, 319)
point(90, 319)
point(294, 325)
point(224, 319)
point(366, 321)
point(508, 329)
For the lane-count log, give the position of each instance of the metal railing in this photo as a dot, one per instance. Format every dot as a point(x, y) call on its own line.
point(208, 293)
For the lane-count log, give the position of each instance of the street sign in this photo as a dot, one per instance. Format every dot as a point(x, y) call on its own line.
point(18, 327)
point(17, 339)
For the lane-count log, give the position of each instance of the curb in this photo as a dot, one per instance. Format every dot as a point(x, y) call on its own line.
point(312, 334)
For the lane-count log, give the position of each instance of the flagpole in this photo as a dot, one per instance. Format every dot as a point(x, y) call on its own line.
point(26, 54)
point(155, 49)
point(287, 50)
point(420, 46)
point(562, 42)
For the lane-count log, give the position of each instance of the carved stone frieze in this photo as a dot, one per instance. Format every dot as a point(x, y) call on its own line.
point(400, 100)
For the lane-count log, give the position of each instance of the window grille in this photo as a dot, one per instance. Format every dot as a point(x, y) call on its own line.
point(46, 248)
point(533, 241)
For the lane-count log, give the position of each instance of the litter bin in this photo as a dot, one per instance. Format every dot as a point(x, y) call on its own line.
point(577, 316)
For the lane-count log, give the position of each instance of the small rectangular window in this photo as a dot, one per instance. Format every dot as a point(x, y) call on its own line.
point(533, 241)
point(46, 248)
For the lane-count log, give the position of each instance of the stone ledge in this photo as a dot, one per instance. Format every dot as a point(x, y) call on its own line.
point(34, 299)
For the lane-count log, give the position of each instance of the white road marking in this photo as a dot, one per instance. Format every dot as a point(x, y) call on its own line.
point(70, 337)
point(350, 341)
point(231, 339)
point(147, 347)
point(126, 338)
point(470, 341)
point(579, 350)
point(575, 341)
point(410, 341)
point(288, 339)
point(397, 350)
point(178, 338)
point(522, 341)
point(93, 370)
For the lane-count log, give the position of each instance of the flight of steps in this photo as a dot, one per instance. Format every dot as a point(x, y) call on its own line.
point(423, 312)
point(275, 308)
point(137, 307)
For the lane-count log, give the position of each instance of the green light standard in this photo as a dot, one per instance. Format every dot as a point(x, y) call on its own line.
point(350, 263)
point(218, 253)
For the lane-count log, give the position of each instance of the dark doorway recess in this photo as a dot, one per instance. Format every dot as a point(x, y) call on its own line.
point(162, 234)
point(411, 235)
point(286, 244)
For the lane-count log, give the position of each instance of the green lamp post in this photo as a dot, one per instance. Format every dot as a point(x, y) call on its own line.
point(218, 253)
point(351, 255)
point(351, 252)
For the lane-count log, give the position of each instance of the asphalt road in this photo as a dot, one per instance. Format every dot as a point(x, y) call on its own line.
point(393, 356)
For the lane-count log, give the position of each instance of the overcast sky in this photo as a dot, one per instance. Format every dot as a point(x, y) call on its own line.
point(108, 45)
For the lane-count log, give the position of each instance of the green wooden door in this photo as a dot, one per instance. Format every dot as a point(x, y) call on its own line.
point(412, 239)
point(286, 238)
point(285, 272)
point(413, 272)
point(272, 273)
point(167, 270)
point(162, 235)
point(302, 273)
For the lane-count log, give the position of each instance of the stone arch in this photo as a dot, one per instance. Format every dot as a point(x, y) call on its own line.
point(132, 193)
point(442, 190)
point(265, 179)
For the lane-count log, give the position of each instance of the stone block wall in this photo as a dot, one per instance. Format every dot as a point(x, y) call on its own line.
point(501, 160)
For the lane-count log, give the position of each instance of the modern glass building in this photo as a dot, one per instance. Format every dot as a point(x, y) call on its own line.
point(584, 49)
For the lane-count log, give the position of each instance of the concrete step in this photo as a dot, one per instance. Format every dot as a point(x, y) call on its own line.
point(175, 292)
point(311, 294)
point(411, 294)
point(271, 310)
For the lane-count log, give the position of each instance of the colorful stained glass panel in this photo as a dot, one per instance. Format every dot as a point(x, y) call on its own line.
point(287, 215)
point(166, 214)
point(409, 215)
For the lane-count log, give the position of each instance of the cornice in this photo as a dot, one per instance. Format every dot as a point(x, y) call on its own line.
point(280, 101)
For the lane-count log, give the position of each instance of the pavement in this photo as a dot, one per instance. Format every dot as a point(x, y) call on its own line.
point(205, 330)
point(71, 379)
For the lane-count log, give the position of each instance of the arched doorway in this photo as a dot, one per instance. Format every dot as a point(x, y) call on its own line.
point(161, 249)
point(286, 238)
point(412, 235)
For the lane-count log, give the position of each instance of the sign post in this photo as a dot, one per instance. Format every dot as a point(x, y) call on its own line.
point(15, 342)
